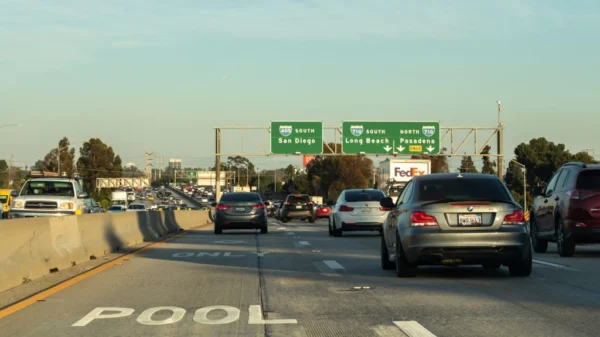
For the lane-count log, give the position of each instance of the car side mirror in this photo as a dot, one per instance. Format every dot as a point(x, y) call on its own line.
point(547, 193)
point(14, 194)
point(83, 195)
point(387, 202)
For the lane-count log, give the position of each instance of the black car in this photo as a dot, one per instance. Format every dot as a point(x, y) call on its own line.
point(240, 210)
point(297, 206)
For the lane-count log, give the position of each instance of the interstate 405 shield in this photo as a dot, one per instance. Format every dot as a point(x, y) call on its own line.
point(403, 138)
point(296, 137)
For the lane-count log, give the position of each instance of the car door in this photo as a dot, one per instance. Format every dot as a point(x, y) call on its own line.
point(336, 208)
point(559, 199)
point(392, 221)
point(544, 216)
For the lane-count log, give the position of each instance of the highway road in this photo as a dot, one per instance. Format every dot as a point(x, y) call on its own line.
point(298, 281)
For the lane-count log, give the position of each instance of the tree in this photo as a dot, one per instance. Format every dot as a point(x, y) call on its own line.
point(38, 166)
point(133, 172)
point(467, 165)
point(489, 167)
point(97, 160)
point(336, 173)
point(3, 173)
point(67, 158)
point(289, 172)
point(244, 168)
point(439, 164)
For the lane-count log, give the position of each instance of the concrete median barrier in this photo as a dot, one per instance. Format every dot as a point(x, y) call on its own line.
point(32, 248)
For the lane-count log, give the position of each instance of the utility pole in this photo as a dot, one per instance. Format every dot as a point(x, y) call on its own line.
point(10, 166)
point(148, 164)
point(500, 141)
point(218, 164)
point(258, 176)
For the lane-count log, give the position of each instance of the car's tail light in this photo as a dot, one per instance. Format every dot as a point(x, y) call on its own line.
point(345, 208)
point(259, 206)
point(574, 194)
point(222, 207)
point(309, 203)
point(287, 202)
point(515, 218)
point(420, 219)
point(385, 209)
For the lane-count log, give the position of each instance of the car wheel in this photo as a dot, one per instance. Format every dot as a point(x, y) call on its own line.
point(566, 246)
point(386, 264)
point(337, 232)
point(491, 265)
point(264, 229)
point(311, 220)
point(403, 267)
point(284, 220)
point(329, 225)
point(522, 268)
point(539, 245)
point(218, 229)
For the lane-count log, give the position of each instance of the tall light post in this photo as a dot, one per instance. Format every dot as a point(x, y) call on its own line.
point(524, 182)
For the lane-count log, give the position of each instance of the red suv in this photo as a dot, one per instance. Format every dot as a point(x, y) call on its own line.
point(567, 210)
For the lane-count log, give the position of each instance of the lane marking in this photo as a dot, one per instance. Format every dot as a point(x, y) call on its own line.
point(304, 243)
point(546, 263)
point(413, 329)
point(256, 317)
point(333, 265)
point(229, 241)
point(65, 284)
point(289, 233)
point(326, 271)
point(387, 331)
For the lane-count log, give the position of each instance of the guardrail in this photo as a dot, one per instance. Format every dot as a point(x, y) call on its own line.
point(34, 247)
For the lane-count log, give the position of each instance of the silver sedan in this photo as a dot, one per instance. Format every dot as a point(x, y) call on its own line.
point(455, 219)
point(357, 210)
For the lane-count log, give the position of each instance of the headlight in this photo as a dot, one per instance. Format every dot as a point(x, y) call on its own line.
point(18, 204)
point(67, 205)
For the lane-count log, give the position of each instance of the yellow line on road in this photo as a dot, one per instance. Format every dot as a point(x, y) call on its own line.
point(65, 284)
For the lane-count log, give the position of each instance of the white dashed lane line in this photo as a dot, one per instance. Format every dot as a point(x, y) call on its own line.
point(413, 329)
point(301, 244)
point(333, 265)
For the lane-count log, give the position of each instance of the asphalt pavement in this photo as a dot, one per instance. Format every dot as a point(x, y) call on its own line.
point(298, 281)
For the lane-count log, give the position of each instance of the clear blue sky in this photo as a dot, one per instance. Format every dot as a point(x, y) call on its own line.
point(159, 75)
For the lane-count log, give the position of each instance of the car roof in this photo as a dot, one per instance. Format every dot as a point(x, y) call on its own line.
point(54, 179)
point(436, 176)
point(361, 189)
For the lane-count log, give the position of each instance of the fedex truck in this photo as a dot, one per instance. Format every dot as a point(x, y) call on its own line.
point(395, 173)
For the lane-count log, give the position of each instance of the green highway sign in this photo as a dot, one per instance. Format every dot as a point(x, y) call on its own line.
point(402, 138)
point(192, 174)
point(296, 137)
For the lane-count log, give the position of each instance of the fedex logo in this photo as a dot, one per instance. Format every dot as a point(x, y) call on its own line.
point(399, 172)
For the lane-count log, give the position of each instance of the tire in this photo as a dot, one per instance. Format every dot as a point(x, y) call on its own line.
point(311, 220)
point(491, 265)
point(284, 220)
point(335, 231)
point(329, 225)
point(264, 229)
point(218, 229)
point(566, 247)
point(386, 264)
point(403, 267)
point(522, 268)
point(539, 245)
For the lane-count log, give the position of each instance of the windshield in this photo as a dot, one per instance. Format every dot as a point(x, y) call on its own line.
point(56, 188)
point(250, 197)
point(458, 189)
point(137, 207)
point(357, 196)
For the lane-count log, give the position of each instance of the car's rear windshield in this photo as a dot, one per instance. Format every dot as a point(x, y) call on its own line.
point(137, 207)
point(589, 180)
point(298, 198)
point(462, 189)
point(240, 197)
point(358, 196)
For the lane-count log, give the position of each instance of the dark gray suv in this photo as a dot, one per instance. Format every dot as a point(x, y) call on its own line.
point(297, 206)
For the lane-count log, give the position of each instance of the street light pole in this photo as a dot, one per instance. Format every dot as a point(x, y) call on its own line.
point(524, 182)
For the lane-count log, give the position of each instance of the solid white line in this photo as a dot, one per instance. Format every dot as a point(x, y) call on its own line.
point(413, 329)
point(304, 243)
point(556, 265)
point(333, 264)
point(289, 233)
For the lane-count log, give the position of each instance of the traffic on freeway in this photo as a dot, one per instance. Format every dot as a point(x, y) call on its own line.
point(290, 168)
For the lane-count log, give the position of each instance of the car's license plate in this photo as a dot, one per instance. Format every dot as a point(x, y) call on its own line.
point(366, 210)
point(469, 219)
point(299, 207)
point(240, 209)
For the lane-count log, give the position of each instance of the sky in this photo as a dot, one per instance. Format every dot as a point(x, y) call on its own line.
point(150, 75)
